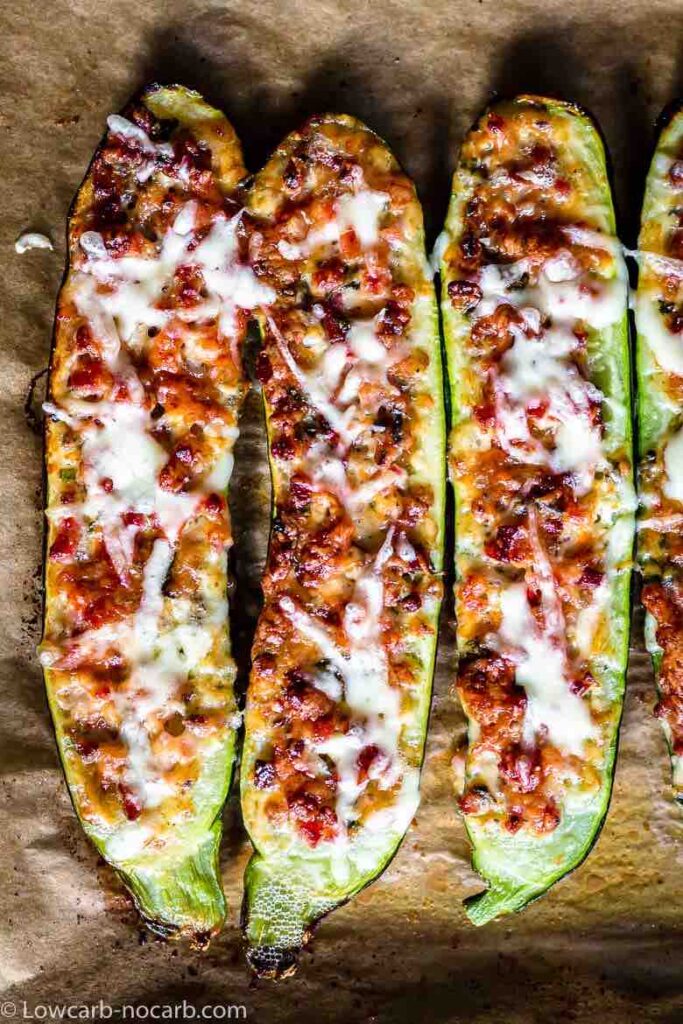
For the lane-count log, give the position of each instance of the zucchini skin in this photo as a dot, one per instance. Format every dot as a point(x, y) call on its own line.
point(519, 866)
point(175, 885)
point(659, 408)
point(289, 885)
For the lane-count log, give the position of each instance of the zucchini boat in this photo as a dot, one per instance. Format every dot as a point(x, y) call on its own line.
point(534, 301)
point(144, 393)
point(659, 323)
point(343, 657)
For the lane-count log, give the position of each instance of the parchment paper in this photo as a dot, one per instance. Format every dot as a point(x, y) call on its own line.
point(604, 945)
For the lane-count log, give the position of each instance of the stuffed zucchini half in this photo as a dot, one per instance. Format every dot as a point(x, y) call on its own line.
point(534, 300)
point(145, 388)
point(343, 657)
point(659, 322)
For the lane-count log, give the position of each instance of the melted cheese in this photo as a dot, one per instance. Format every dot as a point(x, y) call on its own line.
point(541, 669)
point(128, 841)
point(121, 463)
point(539, 373)
point(561, 292)
point(165, 644)
point(357, 671)
point(231, 284)
point(666, 347)
point(150, 688)
point(32, 240)
point(578, 449)
point(152, 603)
point(588, 621)
point(362, 665)
point(332, 366)
point(126, 291)
point(673, 464)
point(540, 366)
point(332, 388)
point(443, 241)
point(167, 639)
point(534, 366)
point(668, 265)
point(328, 472)
point(359, 211)
point(313, 387)
point(125, 129)
point(364, 343)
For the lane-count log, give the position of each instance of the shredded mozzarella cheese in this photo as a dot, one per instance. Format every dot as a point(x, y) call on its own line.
point(120, 298)
point(539, 373)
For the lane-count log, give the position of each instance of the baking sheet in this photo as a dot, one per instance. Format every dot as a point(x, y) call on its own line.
point(605, 944)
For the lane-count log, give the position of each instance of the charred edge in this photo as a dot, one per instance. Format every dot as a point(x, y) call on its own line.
point(34, 421)
point(198, 940)
point(274, 962)
point(167, 932)
point(664, 119)
point(202, 940)
point(542, 103)
point(345, 120)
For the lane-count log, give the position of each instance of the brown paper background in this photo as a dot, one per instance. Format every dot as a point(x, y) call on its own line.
point(604, 945)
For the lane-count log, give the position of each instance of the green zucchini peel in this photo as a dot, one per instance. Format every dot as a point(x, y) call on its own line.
point(289, 887)
point(658, 368)
point(175, 885)
point(520, 866)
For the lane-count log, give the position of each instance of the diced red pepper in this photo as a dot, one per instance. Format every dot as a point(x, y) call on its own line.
point(496, 123)
point(582, 684)
point(131, 806)
point(88, 375)
point(283, 448)
point(65, 544)
point(510, 544)
point(368, 757)
point(464, 295)
point(521, 768)
point(264, 367)
point(214, 505)
point(676, 173)
point(138, 519)
point(591, 577)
